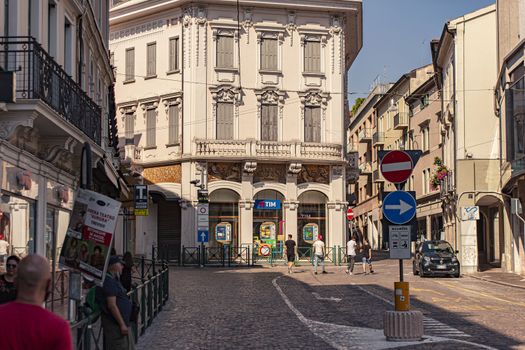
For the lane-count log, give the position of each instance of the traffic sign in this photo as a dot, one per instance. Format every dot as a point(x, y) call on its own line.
point(399, 207)
point(202, 235)
point(399, 242)
point(350, 214)
point(396, 166)
point(265, 249)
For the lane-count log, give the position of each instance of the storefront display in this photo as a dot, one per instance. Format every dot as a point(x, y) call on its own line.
point(223, 233)
point(17, 223)
point(267, 220)
point(310, 233)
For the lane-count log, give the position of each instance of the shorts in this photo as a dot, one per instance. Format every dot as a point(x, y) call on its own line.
point(291, 258)
point(367, 261)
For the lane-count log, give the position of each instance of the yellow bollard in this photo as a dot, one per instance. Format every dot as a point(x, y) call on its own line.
point(401, 296)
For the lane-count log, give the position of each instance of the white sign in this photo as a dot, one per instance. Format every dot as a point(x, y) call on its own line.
point(399, 241)
point(202, 215)
point(470, 213)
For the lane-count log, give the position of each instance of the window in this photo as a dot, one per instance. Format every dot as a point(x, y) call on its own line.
point(312, 56)
point(173, 124)
point(68, 43)
point(174, 55)
point(425, 135)
point(151, 122)
point(52, 29)
point(224, 121)
point(151, 69)
point(225, 51)
point(312, 124)
point(269, 54)
point(269, 123)
point(129, 128)
point(130, 64)
point(424, 184)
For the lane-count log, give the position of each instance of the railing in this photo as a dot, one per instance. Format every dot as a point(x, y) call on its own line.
point(38, 76)
point(365, 168)
point(377, 177)
point(378, 138)
point(151, 295)
point(447, 185)
point(365, 135)
point(401, 120)
point(267, 149)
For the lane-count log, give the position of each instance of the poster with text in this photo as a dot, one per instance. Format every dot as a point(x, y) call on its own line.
point(90, 232)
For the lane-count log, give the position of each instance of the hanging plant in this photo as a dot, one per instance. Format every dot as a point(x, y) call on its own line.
point(440, 173)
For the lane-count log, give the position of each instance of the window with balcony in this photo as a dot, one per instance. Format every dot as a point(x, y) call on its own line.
point(173, 121)
point(173, 55)
point(151, 60)
point(129, 128)
point(269, 61)
point(312, 124)
point(224, 121)
point(312, 56)
point(269, 127)
point(130, 65)
point(151, 127)
point(224, 51)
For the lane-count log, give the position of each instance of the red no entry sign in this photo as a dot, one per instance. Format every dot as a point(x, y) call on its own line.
point(350, 214)
point(396, 166)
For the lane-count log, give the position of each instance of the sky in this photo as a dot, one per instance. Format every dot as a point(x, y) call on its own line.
point(397, 35)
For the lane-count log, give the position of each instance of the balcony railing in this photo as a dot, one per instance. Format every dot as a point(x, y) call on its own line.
point(447, 185)
point(267, 149)
point(365, 168)
point(39, 77)
point(365, 135)
point(401, 121)
point(378, 138)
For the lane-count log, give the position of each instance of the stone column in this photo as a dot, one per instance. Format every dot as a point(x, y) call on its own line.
point(428, 220)
point(290, 219)
point(188, 223)
point(246, 222)
point(336, 224)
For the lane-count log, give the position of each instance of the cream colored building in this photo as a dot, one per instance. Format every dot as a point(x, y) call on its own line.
point(253, 109)
point(510, 107)
point(56, 53)
point(465, 59)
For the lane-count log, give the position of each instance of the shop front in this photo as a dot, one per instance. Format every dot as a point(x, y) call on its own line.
point(268, 222)
point(223, 218)
point(311, 218)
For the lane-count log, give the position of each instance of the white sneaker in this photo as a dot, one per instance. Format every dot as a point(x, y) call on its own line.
point(350, 273)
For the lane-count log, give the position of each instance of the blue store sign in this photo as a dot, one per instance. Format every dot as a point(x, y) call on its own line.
point(268, 204)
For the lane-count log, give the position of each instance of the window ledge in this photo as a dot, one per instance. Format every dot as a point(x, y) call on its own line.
point(174, 71)
point(150, 77)
point(226, 69)
point(129, 81)
point(268, 71)
point(149, 147)
point(172, 144)
point(314, 74)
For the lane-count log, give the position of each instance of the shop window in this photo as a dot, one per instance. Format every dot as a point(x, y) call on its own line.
point(224, 213)
point(17, 223)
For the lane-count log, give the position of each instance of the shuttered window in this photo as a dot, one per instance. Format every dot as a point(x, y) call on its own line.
point(173, 116)
point(130, 64)
point(269, 130)
point(269, 54)
point(151, 122)
point(312, 124)
point(151, 59)
point(174, 54)
point(129, 128)
point(312, 57)
point(224, 121)
point(225, 51)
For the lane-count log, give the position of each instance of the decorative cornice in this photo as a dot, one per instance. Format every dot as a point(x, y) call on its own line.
point(250, 167)
point(295, 168)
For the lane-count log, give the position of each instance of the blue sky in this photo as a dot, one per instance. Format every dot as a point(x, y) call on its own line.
point(397, 35)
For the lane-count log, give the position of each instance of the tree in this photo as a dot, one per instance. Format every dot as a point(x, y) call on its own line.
point(357, 104)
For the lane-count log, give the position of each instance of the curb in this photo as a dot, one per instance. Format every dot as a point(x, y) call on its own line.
point(497, 282)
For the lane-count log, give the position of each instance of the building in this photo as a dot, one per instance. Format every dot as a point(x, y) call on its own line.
point(424, 133)
point(252, 106)
point(464, 59)
point(510, 108)
point(55, 82)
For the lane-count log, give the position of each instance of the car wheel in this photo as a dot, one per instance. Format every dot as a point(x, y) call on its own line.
point(457, 274)
point(414, 269)
point(421, 272)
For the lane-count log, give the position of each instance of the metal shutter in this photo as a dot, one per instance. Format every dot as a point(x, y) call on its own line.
point(168, 229)
point(224, 121)
point(173, 124)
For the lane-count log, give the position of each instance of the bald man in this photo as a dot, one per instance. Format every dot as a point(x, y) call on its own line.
point(25, 323)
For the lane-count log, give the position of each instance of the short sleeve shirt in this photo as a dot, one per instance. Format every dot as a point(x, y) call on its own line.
point(113, 288)
point(318, 247)
point(350, 247)
point(290, 247)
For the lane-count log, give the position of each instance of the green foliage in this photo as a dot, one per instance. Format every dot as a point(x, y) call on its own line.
point(357, 104)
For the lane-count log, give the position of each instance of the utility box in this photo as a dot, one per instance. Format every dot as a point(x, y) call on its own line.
point(515, 206)
point(7, 87)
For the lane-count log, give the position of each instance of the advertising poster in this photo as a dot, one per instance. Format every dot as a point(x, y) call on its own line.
point(89, 234)
point(267, 230)
point(223, 232)
point(310, 232)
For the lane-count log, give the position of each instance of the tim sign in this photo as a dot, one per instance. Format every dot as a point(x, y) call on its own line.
point(268, 204)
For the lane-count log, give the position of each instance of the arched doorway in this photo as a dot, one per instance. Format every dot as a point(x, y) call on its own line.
point(311, 214)
point(268, 220)
point(224, 212)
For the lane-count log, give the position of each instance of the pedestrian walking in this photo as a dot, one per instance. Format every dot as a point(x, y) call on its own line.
point(367, 256)
point(7, 280)
point(291, 252)
point(25, 323)
point(117, 309)
point(319, 253)
point(350, 254)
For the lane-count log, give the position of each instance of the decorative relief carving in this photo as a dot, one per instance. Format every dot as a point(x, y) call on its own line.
point(291, 205)
point(200, 20)
point(59, 151)
point(291, 27)
point(314, 98)
point(169, 173)
point(272, 96)
point(224, 171)
point(225, 93)
point(270, 172)
point(250, 167)
point(314, 173)
point(247, 24)
point(246, 204)
point(295, 168)
point(337, 171)
point(137, 30)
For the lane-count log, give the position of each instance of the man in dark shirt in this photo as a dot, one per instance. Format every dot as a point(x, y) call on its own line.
point(117, 311)
point(290, 252)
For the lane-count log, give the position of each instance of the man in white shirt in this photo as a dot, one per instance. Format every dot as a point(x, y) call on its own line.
point(318, 249)
point(350, 254)
point(4, 246)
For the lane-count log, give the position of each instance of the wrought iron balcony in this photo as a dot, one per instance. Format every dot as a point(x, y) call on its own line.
point(378, 138)
point(401, 121)
point(39, 77)
point(365, 168)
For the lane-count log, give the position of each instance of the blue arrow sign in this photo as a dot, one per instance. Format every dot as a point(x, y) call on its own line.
point(202, 235)
point(399, 207)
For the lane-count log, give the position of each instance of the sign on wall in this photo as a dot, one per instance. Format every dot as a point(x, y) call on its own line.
point(310, 232)
point(223, 232)
point(268, 204)
point(141, 200)
point(470, 213)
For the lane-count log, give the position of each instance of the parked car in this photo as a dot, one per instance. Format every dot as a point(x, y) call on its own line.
point(435, 258)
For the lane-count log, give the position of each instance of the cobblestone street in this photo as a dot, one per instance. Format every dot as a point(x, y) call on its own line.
point(265, 308)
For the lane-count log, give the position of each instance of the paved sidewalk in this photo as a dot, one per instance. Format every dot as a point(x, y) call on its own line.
point(503, 278)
